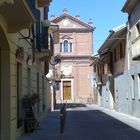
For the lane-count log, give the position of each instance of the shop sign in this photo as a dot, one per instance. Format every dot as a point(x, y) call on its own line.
point(20, 53)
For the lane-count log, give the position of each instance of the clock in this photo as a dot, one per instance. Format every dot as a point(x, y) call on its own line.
point(65, 22)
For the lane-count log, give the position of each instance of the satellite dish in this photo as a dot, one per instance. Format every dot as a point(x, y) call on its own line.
point(54, 60)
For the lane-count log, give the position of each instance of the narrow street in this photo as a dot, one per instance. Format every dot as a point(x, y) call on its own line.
point(89, 122)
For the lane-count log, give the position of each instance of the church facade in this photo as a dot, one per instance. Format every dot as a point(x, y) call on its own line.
point(75, 48)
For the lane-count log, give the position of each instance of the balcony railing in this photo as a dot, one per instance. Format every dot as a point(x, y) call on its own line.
point(41, 42)
point(44, 46)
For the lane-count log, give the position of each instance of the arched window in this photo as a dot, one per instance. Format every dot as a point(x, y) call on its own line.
point(66, 46)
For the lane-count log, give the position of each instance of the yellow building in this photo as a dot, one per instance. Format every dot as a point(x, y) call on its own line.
point(23, 63)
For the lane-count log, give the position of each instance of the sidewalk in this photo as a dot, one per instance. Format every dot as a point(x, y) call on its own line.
point(127, 119)
point(49, 128)
point(89, 122)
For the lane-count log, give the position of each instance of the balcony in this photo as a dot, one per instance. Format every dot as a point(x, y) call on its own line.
point(44, 48)
point(43, 3)
point(45, 41)
point(53, 29)
point(17, 14)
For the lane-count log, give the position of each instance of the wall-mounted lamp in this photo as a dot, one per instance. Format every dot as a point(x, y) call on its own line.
point(46, 23)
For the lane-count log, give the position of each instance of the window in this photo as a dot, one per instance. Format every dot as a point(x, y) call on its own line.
point(57, 85)
point(29, 80)
point(43, 93)
point(19, 93)
point(66, 46)
point(122, 49)
point(61, 48)
point(38, 87)
point(139, 86)
point(106, 68)
point(94, 67)
point(103, 70)
point(133, 87)
point(98, 70)
point(70, 46)
point(115, 58)
point(138, 27)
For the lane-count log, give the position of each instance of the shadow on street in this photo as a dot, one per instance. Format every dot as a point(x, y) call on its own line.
point(83, 123)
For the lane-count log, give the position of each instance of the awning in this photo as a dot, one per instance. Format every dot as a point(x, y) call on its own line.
point(54, 29)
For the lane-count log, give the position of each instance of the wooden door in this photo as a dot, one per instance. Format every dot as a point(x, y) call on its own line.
point(66, 90)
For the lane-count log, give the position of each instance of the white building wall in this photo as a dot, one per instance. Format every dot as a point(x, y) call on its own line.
point(106, 98)
point(128, 92)
point(134, 73)
point(135, 90)
point(122, 93)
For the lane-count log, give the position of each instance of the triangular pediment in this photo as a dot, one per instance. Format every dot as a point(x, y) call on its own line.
point(66, 37)
point(69, 22)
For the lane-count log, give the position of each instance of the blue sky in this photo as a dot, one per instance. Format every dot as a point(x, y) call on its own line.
point(105, 15)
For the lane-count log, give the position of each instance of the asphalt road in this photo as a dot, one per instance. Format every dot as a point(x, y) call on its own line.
point(88, 123)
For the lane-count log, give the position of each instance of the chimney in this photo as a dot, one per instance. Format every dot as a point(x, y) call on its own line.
point(90, 22)
point(53, 17)
point(77, 16)
point(65, 10)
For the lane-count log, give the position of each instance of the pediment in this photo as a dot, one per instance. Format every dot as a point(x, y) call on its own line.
point(69, 22)
point(66, 37)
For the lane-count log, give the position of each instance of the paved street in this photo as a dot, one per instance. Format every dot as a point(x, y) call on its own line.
point(88, 123)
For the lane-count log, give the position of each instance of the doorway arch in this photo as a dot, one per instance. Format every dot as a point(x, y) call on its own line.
point(4, 86)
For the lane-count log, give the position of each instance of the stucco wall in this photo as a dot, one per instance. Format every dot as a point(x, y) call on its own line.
point(122, 90)
point(14, 43)
point(106, 98)
point(127, 94)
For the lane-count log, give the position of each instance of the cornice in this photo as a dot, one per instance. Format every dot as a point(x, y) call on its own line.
point(64, 15)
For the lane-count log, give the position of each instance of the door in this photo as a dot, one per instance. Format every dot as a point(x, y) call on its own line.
point(66, 90)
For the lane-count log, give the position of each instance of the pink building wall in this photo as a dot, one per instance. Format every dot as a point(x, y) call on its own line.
point(78, 60)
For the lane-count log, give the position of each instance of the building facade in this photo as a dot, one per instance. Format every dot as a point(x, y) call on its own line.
point(75, 48)
point(24, 55)
point(133, 93)
point(119, 55)
point(109, 66)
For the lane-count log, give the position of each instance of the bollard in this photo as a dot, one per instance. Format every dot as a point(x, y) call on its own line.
point(62, 117)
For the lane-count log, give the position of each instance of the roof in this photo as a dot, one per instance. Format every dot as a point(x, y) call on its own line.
point(129, 6)
point(115, 34)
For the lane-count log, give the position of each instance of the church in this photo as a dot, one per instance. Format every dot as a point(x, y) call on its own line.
point(75, 49)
